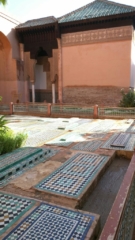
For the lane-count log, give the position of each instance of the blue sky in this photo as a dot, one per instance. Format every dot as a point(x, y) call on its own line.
point(24, 10)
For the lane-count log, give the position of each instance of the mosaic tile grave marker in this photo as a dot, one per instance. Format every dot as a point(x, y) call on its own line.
point(129, 145)
point(18, 161)
point(121, 140)
point(99, 127)
point(49, 222)
point(74, 175)
point(95, 127)
point(42, 137)
point(67, 139)
point(131, 128)
point(96, 135)
point(11, 209)
point(89, 146)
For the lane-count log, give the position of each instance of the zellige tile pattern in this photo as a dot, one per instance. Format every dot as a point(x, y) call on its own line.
point(89, 146)
point(129, 145)
point(20, 160)
point(74, 175)
point(11, 209)
point(49, 222)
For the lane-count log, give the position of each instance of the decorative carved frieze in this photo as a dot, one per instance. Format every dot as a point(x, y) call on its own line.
point(100, 35)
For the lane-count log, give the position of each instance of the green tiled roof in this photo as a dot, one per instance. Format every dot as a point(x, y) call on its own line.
point(37, 22)
point(98, 8)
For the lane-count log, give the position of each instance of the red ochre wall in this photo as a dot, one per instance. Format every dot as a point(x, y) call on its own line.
point(96, 72)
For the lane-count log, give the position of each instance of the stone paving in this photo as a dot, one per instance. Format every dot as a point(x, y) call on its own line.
point(79, 151)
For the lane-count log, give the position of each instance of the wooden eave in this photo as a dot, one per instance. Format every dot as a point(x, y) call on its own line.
point(38, 27)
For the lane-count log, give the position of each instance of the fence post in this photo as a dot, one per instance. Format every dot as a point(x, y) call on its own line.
point(49, 109)
point(11, 108)
point(95, 115)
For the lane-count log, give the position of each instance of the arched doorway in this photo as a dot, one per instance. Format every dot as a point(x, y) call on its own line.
point(42, 81)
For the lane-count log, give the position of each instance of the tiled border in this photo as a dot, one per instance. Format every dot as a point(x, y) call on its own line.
point(90, 229)
point(104, 160)
point(20, 215)
point(70, 201)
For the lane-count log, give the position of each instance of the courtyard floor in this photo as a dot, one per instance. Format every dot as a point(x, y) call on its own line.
point(66, 164)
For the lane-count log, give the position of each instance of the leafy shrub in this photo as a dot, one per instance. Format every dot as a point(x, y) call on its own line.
point(20, 139)
point(3, 126)
point(128, 99)
point(8, 140)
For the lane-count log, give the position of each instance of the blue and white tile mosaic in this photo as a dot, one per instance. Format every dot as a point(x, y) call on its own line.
point(129, 144)
point(11, 209)
point(49, 222)
point(74, 175)
point(15, 163)
point(89, 146)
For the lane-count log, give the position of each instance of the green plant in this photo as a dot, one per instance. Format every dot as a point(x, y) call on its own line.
point(20, 139)
point(4, 2)
point(3, 123)
point(0, 98)
point(10, 141)
point(128, 99)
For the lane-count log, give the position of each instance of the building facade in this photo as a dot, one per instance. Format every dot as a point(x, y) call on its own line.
point(85, 56)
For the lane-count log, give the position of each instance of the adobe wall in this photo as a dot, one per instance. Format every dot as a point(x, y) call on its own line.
point(11, 66)
point(7, 25)
point(103, 96)
point(133, 62)
point(8, 71)
point(96, 65)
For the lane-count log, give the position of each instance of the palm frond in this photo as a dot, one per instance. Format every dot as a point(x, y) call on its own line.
point(4, 2)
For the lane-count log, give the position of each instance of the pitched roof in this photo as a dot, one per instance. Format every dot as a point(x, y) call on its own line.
point(37, 22)
point(98, 8)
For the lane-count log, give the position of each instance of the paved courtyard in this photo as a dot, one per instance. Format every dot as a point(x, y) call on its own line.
point(65, 165)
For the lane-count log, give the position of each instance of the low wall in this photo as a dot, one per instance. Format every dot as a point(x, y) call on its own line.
point(121, 220)
point(5, 109)
point(67, 110)
point(71, 110)
point(37, 109)
point(103, 96)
